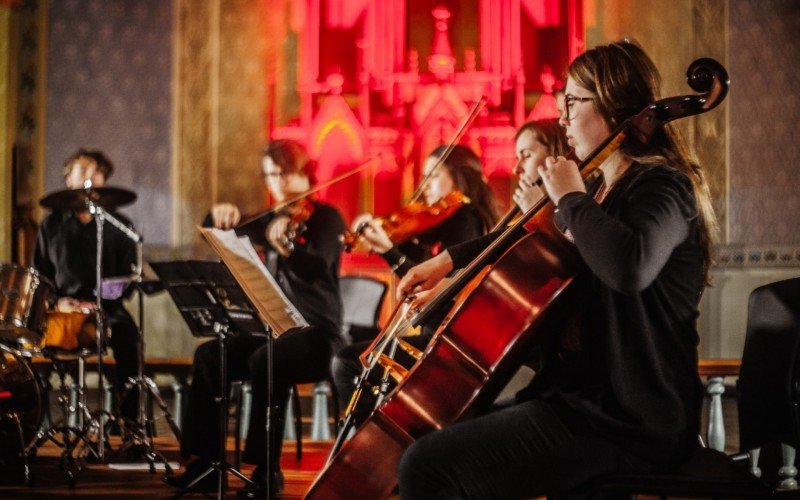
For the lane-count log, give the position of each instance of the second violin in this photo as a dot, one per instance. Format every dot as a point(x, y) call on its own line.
point(410, 220)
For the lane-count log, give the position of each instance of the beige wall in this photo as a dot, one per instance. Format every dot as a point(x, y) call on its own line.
point(226, 53)
point(675, 33)
point(6, 132)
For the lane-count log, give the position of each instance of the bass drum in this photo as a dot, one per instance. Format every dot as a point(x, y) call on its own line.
point(21, 410)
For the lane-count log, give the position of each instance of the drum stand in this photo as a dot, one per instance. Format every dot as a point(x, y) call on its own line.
point(71, 435)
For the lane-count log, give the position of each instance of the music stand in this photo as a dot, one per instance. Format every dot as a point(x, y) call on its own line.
point(212, 304)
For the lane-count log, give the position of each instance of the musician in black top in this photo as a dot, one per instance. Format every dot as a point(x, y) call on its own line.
point(308, 273)
point(462, 171)
point(66, 253)
point(623, 394)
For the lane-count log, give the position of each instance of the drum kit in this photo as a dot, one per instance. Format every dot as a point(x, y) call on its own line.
point(29, 327)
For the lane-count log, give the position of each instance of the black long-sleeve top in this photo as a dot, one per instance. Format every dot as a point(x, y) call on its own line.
point(309, 276)
point(465, 224)
point(633, 377)
point(66, 253)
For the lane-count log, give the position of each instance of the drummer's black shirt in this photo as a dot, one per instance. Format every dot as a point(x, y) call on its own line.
point(66, 253)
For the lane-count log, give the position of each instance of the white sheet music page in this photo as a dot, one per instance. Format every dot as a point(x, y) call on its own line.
point(251, 274)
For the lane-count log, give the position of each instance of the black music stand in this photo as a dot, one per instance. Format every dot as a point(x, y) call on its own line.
point(213, 305)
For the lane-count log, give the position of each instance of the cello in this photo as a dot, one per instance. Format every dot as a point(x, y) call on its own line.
point(466, 364)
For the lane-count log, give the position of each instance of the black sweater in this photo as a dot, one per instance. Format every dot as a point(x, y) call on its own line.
point(633, 377)
point(465, 224)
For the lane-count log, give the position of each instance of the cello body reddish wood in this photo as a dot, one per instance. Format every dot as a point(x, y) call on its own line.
point(478, 348)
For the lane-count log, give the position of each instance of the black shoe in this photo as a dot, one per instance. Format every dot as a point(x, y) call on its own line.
point(259, 489)
point(193, 470)
point(135, 452)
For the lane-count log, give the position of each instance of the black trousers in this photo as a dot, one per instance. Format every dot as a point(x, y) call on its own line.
point(124, 344)
point(522, 451)
point(299, 356)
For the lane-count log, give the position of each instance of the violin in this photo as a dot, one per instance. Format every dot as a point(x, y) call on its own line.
point(414, 218)
point(299, 211)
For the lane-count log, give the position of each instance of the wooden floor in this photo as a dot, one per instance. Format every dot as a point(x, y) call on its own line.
point(102, 481)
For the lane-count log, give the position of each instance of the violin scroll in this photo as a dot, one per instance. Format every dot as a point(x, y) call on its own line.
point(299, 212)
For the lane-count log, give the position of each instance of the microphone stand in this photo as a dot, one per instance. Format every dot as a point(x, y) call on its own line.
point(140, 381)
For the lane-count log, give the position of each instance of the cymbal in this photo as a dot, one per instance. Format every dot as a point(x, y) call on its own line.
point(75, 199)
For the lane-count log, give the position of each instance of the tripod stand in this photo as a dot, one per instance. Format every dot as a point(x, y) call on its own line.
point(145, 388)
point(136, 435)
point(213, 305)
point(221, 466)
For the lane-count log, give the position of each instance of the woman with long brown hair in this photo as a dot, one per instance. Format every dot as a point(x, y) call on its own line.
point(623, 394)
point(462, 171)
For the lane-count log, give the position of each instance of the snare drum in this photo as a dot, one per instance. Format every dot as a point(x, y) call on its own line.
point(24, 298)
point(21, 408)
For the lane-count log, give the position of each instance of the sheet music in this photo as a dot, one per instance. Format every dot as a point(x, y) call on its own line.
point(251, 274)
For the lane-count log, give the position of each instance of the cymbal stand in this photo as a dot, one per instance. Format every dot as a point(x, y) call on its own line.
point(140, 434)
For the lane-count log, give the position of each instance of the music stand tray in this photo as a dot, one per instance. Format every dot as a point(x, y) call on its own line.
point(206, 294)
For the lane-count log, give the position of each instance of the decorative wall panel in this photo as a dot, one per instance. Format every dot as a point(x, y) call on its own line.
point(764, 113)
point(242, 83)
point(108, 87)
point(195, 157)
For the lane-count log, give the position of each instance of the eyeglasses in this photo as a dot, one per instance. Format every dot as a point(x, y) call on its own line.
point(569, 105)
point(275, 175)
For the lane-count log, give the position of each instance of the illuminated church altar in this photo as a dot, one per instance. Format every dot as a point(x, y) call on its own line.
point(389, 80)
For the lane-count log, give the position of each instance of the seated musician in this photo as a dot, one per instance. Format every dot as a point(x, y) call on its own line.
point(65, 252)
point(462, 171)
point(533, 142)
point(308, 273)
point(623, 395)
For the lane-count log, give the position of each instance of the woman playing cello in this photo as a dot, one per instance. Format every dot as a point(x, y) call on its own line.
point(622, 393)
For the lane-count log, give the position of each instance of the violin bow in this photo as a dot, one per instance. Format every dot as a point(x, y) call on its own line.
point(466, 122)
point(318, 187)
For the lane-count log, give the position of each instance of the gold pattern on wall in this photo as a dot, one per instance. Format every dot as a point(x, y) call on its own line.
point(242, 90)
point(192, 166)
point(674, 33)
point(5, 157)
point(711, 129)
point(228, 52)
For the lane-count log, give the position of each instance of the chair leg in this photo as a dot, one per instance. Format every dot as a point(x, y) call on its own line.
point(237, 440)
point(298, 423)
point(335, 400)
point(320, 427)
